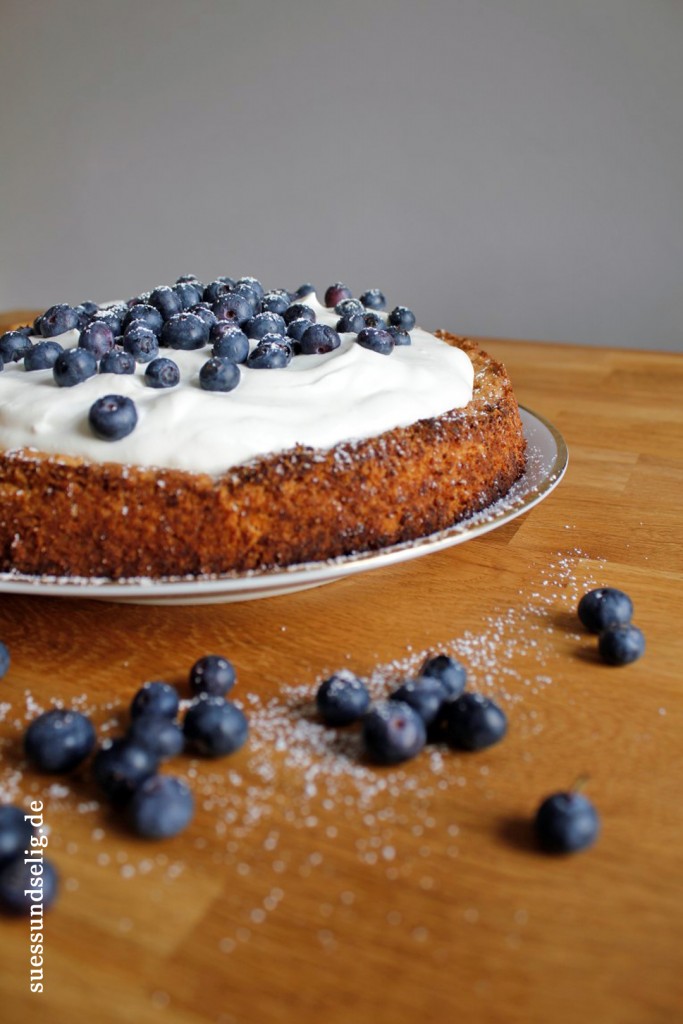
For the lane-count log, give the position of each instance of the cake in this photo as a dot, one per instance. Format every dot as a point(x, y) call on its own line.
point(358, 438)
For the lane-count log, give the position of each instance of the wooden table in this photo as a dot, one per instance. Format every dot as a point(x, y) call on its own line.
point(314, 888)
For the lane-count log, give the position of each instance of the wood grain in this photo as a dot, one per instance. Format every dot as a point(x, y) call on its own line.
point(412, 894)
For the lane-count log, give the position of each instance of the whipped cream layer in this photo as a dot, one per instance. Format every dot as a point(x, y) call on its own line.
point(317, 401)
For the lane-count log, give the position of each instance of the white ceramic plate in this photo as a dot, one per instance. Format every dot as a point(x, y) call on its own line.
point(547, 462)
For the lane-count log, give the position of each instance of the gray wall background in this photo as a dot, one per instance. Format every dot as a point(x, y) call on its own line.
point(505, 167)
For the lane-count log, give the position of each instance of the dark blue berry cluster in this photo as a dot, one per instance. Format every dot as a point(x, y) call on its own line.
point(607, 612)
point(226, 314)
point(433, 706)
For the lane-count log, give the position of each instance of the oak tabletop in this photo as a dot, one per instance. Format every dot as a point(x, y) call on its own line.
point(314, 887)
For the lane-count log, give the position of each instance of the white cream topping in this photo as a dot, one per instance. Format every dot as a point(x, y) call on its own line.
point(317, 401)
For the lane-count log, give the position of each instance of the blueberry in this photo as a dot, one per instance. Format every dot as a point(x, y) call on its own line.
point(14, 345)
point(229, 342)
point(204, 312)
point(299, 311)
point(162, 373)
point(351, 323)
point(141, 343)
point(157, 733)
point(188, 293)
point(350, 307)
point(4, 659)
point(185, 331)
point(319, 338)
point(450, 673)
point(400, 337)
point(113, 317)
point(190, 279)
point(118, 362)
point(19, 882)
point(275, 301)
point(426, 695)
point(605, 607)
point(219, 374)
point(15, 833)
point(42, 356)
point(166, 301)
point(248, 295)
point(97, 337)
point(232, 306)
point(303, 290)
point(213, 726)
point(161, 807)
point(271, 353)
point(474, 722)
point(566, 822)
point(113, 417)
point(253, 283)
point(264, 323)
point(58, 740)
point(402, 317)
point(373, 299)
point(621, 644)
point(217, 288)
point(335, 293)
point(392, 732)
point(120, 766)
point(212, 674)
point(373, 319)
point(89, 307)
point(342, 698)
point(157, 698)
point(73, 366)
point(297, 328)
point(57, 320)
point(376, 340)
point(144, 313)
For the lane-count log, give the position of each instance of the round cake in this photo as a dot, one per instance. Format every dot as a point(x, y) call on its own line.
point(222, 435)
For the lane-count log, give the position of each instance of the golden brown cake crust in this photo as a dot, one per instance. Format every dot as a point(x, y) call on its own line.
point(67, 517)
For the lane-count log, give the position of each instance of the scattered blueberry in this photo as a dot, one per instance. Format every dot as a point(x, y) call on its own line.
point(400, 337)
point(275, 301)
point(156, 698)
point(184, 331)
point(336, 293)
point(161, 807)
point(113, 417)
point(376, 340)
point(271, 353)
point(373, 299)
point(42, 356)
point(14, 345)
point(118, 361)
point(113, 317)
point(120, 766)
point(232, 306)
point(4, 659)
point(212, 674)
point(450, 673)
point(299, 311)
point(350, 307)
point(97, 337)
point(162, 373)
point(392, 732)
point(22, 888)
point(157, 733)
point(319, 338)
point(402, 317)
point(57, 320)
point(213, 726)
point(373, 319)
point(351, 323)
point(15, 833)
point(219, 374)
point(141, 343)
point(58, 740)
point(303, 290)
point(144, 313)
point(264, 323)
point(229, 341)
point(166, 301)
point(89, 307)
point(426, 695)
point(566, 822)
point(621, 644)
point(474, 722)
point(342, 699)
point(605, 607)
point(297, 328)
point(73, 366)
